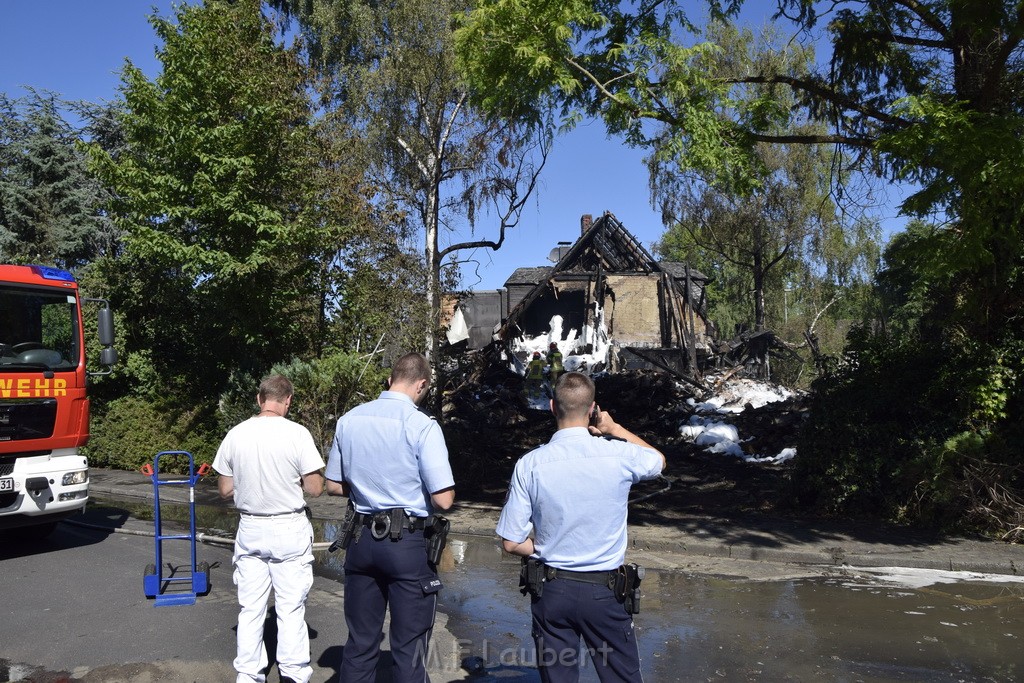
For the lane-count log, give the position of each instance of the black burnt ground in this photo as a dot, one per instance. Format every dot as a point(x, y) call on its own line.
point(488, 426)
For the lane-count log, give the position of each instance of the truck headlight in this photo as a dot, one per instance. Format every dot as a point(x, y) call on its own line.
point(79, 477)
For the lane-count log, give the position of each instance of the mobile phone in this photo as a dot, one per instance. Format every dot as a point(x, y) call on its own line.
point(595, 414)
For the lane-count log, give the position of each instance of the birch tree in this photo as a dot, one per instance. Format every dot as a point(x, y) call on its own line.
point(390, 68)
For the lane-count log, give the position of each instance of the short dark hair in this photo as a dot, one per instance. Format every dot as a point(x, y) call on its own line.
point(412, 367)
point(276, 388)
point(574, 392)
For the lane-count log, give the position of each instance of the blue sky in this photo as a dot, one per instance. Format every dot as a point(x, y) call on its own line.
point(76, 49)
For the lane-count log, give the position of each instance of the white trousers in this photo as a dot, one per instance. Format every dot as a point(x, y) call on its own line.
point(273, 552)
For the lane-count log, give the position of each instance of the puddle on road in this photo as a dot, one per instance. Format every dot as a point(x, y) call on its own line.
point(695, 628)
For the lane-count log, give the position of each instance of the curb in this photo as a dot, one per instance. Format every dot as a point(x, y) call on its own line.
point(478, 519)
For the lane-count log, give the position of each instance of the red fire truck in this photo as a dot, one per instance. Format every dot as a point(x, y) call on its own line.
point(44, 410)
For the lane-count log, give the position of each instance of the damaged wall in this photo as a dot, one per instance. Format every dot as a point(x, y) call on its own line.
point(632, 310)
point(482, 310)
point(635, 306)
point(678, 317)
point(521, 283)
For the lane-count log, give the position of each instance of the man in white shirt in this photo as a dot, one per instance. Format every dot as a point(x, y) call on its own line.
point(265, 465)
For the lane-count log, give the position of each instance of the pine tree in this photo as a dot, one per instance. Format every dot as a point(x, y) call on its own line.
point(50, 206)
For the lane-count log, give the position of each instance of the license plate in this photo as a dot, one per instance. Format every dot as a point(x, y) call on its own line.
point(6, 484)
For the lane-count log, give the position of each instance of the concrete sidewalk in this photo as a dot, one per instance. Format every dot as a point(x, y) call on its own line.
point(688, 542)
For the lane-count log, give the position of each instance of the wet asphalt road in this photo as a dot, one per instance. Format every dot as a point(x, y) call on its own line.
point(73, 609)
point(74, 605)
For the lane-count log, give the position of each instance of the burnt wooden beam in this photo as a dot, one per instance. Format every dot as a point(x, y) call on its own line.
point(661, 362)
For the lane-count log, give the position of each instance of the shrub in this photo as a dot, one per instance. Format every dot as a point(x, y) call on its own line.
point(133, 430)
point(324, 389)
point(918, 433)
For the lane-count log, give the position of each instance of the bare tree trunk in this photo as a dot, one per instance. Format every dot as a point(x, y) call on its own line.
point(429, 171)
point(433, 272)
point(758, 271)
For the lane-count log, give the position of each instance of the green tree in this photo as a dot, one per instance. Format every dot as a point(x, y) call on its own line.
point(50, 206)
point(925, 91)
point(380, 305)
point(373, 294)
point(389, 68)
point(223, 196)
point(780, 239)
point(786, 235)
point(761, 233)
point(728, 290)
point(918, 420)
point(327, 387)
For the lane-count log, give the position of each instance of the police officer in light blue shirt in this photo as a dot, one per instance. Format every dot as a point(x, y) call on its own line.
point(572, 494)
point(392, 462)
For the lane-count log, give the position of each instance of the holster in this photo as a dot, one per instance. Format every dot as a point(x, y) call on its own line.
point(351, 527)
point(397, 525)
point(436, 536)
point(532, 575)
point(627, 586)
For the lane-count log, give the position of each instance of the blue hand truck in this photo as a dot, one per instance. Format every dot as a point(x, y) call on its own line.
point(154, 582)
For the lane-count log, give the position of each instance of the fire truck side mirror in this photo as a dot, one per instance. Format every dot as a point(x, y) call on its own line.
point(105, 320)
point(106, 324)
point(108, 356)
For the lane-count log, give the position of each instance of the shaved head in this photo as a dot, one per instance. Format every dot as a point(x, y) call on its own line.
point(410, 368)
point(574, 393)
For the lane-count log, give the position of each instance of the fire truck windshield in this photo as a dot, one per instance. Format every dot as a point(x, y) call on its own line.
point(38, 329)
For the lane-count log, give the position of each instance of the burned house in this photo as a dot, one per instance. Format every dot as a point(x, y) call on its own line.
point(605, 301)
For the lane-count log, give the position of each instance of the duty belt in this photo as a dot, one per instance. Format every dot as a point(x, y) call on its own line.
point(603, 578)
point(382, 523)
point(623, 581)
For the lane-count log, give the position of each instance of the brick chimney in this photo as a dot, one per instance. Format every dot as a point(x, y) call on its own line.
point(586, 220)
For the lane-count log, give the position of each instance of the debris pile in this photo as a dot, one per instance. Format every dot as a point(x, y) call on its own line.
point(489, 425)
point(645, 401)
point(481, 391)
point(752, 420)
point(748, 419)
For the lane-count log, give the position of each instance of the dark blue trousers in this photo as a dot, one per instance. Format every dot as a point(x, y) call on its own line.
point(384, 573)
point(569, 610)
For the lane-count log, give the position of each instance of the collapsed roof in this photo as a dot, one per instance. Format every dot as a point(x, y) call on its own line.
point(605, 294)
